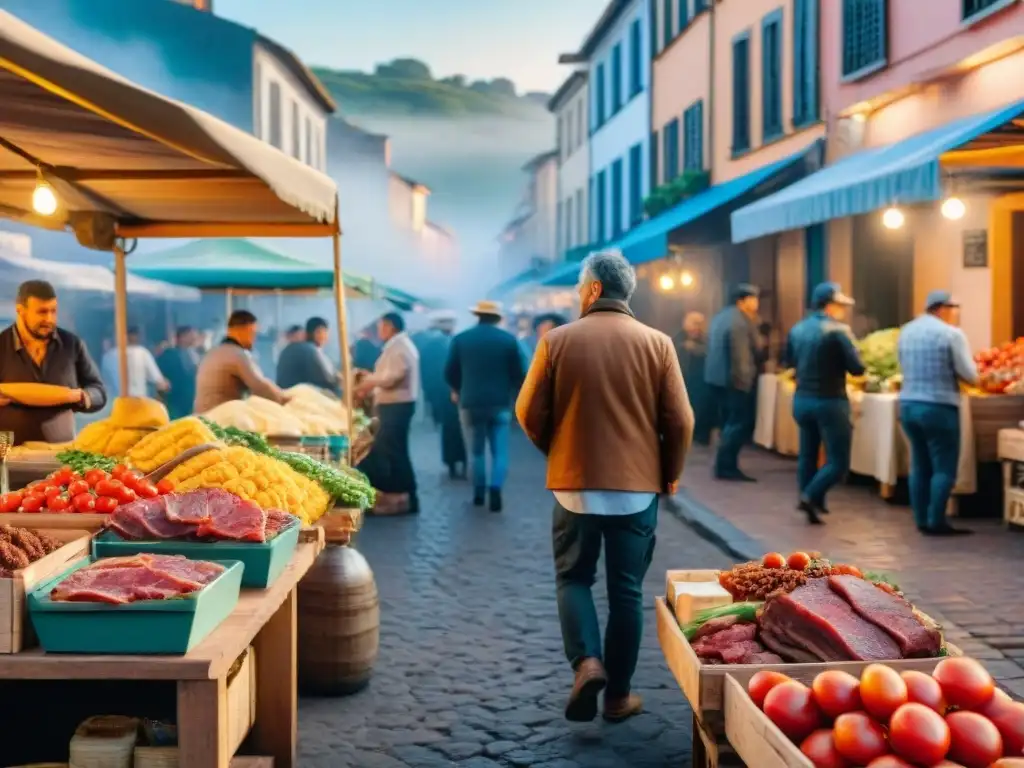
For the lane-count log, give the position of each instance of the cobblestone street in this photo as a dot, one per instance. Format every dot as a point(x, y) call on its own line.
point(471, 669)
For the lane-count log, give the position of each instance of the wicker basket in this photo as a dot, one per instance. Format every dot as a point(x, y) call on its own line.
point(363, 442)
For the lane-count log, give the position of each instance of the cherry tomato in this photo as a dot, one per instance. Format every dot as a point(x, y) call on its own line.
point(119, 471)
point(77, 488)
point(798, 561)
point(10, 502)
point(762, 682)
point(858, 738)
point(58, 504)
point(84, 502)
point(773, 560)
point(126, 495)
point(105, 504)
point(131, 479)
point(52, 490)
point(923, 689)
point(165, 486)
point(918, 733)
point(61, 476)
point(889, 761)
point(108, 487)
point(146, 489)
point(820, 749)
point(965, 683)
point(790, 705)
point(974, 740)
point(33, 503)
point(1009, 721)
point(882, 690)
point(836, 693)
point(94, 477)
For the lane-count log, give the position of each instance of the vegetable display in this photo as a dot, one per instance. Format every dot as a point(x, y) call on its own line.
point(159, 447)
point(887, 719)
point(879, 352)
point(1001, 369)
point(131, 419)
point(309, 412)
point(95, 491)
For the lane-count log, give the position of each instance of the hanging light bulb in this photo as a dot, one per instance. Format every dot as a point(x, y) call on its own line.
point(44, 201)
point(893, 218)
point(666, 282)
point(953, 208)
point(686, 279)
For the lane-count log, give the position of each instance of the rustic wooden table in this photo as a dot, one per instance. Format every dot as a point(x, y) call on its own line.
point(264, 619)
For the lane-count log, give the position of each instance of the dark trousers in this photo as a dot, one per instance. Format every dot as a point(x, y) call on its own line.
point(737, 417)
point(389, 466)
point(453, 446)
point(934, 434)
point(628, 548)
point(822, 420)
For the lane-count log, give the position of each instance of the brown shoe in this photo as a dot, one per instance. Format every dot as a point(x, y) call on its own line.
point(617, 710)
point(590, 681)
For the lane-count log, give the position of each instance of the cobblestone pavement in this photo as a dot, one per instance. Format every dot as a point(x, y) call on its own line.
point(471, 669)
point(971, 585)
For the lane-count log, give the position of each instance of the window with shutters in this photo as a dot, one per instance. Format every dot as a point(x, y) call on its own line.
point(684, 14)
point(654, 171)
point(653, 27)
point(671, 149)
point(636, 184)
point(308, 159)
point(599, 98)
point(771, 76)
point(296, 132)
point(693, 137)
point(636, 59)
point(805, 62)
point(616, 78)
point(865, 36)
point(602, 206)
point(741, 93)
point(975, 9)
point(668, 29)
point(617, 198)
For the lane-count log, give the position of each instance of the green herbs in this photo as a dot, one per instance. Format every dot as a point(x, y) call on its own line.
point(746, 612)
point(82, 461)
point(881, 578)
point(235, 436)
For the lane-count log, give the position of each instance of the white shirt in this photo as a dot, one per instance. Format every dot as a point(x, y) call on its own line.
point(142, 371)
point(605, 503)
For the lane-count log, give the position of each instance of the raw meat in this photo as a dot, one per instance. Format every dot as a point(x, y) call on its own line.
point(711, 626)
point(818, 620)
point(763, 658)
point(891, 613)
point(120, 580)
point(152, 515)
point(191, 507)
point(129, 526)
point(738, 652)
point(277, 521)
point(712, 644)
point(235, 518)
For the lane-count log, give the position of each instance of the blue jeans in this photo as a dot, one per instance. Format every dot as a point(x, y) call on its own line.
point(934, 434)
point(628, 549)
point(488, 428)
point(822, 420)
point(737, 419)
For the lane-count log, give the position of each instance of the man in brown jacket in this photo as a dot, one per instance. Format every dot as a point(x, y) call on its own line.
point(605, 401)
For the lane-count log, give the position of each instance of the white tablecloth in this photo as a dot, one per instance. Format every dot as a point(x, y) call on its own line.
point(764, 425)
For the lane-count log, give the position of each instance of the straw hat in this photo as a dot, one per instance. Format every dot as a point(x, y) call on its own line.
point(489, 308)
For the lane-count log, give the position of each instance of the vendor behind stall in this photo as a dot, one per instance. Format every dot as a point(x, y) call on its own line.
point(46, 373)
point(304, 362)
point(229, 372)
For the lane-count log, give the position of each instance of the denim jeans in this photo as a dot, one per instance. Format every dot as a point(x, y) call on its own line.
point(737, 419)
point(628, 548)
point(934, 434)
point(822, 420)
point(488, 428)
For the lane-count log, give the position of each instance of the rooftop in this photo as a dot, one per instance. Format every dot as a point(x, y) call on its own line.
point(612, 12)
point(409, 182)
point(301, 71)
point(536, 162)
point(567, 90)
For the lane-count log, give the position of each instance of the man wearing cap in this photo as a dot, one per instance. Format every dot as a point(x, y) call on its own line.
point(731, 372)
point(934, 357)
point(822, 351)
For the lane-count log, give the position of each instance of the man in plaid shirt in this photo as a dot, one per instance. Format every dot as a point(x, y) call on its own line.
point(935, 358)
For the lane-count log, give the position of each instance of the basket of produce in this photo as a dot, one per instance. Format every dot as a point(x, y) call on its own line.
point(363, 442)
point(208, 524)
point(881, 718)
point(800, 616)
point(144, 604)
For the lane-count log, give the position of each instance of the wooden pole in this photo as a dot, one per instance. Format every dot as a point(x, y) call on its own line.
point(339, 307)
point(121, 315)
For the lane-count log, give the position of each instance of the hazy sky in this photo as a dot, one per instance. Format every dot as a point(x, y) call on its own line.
point(478, 38)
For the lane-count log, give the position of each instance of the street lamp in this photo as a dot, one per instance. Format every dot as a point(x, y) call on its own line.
point(893, 218)
point(953, 208)
point(686, 279)
point(666, 283)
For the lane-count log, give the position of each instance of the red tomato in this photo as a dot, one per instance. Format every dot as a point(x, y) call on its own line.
point(918, 733)
point(84, 502)
point(889, 761)
point(62, 476)
point(820, 749)
point(108, 487)
point(164, 487)
point(999, 701)
point(52, 490)
point(1009, 720)
point(773, 560)
point(761, 683)
point(146, 489)
point(58, 504)
point(10, 502)
point(836, 693)
point(798, 561)
point(974, 740)
point(858, 738)
point(790, 705)
point(965, 683)
point(923, 689)
point(131, 479)
point(882, 690)
point(119, 471)
point(126, 495)
point(105, 505)
point(77, 488)
point(33, 503)
point(95, 476)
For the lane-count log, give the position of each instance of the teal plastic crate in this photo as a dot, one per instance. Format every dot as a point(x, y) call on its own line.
point(263, 562)
point(143, 627)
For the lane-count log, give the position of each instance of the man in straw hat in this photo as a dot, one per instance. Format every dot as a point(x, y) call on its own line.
point(605, 401)
point(485, 369)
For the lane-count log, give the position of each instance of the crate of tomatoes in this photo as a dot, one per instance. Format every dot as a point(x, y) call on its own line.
point(954, 717)
point(68, 498)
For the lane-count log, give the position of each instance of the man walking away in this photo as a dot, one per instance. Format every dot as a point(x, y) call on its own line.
point(485, 369)
point(304, 361)
point(396, 382)
point(822, 351)
point(433, 359)
point(731, 373)
point(179, 365)
point(935, 357)
point(605, 401)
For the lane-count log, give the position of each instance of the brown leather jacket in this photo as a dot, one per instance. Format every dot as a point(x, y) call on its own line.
point(605, 400)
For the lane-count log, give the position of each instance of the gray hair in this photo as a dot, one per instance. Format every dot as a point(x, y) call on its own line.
point(612, 271)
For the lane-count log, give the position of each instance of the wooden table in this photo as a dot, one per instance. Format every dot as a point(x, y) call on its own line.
point(264, 619)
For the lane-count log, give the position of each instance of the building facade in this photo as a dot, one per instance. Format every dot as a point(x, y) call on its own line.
point(570, 106)
point(529, 240)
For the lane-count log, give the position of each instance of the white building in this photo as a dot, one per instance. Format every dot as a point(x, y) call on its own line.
point(530, 239)
point(570, 107)
point(616, 54)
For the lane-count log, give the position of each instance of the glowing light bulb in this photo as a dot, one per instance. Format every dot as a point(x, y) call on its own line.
point(953, 208)
point(686, 279)
point(44, 201)
point(893, 218)
point(666, 283)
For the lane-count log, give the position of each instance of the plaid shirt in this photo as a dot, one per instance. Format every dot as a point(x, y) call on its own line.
point(935, 358)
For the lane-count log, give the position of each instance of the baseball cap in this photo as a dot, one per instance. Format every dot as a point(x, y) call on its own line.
point(940, 299)
point(745, 291)
point(829, 293)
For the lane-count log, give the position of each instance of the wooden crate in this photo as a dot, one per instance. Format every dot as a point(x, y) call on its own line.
point(753, 736)
point(704, 686)
point(1013, 506)
point(53, 521)
point(1011, 444)
point(15, 628)
point(991, 416)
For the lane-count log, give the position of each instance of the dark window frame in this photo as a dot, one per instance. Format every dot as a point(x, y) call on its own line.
point(857, 59)
point(636, 58)
point(806, 63)
point(741, 103)
point(670, 141)
point(636, 184)
point(618, 201)
point(973, 11)
point(772, 126)
point(617, 72)
point(693, 137)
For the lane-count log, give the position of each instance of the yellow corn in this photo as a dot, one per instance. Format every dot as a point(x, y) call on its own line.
point(106, 439)
point(159, 447)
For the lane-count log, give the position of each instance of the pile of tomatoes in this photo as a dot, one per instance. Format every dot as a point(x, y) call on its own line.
point(96, 491)
point(953, 718)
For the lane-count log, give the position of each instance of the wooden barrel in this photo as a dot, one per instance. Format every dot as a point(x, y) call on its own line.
point(338, 623)
point(989, 415)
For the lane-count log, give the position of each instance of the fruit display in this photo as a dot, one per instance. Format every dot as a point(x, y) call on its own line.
point(158, 448)
point(95, 491)
point(131, 419)
point(1001, 369)
point(955, 717)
